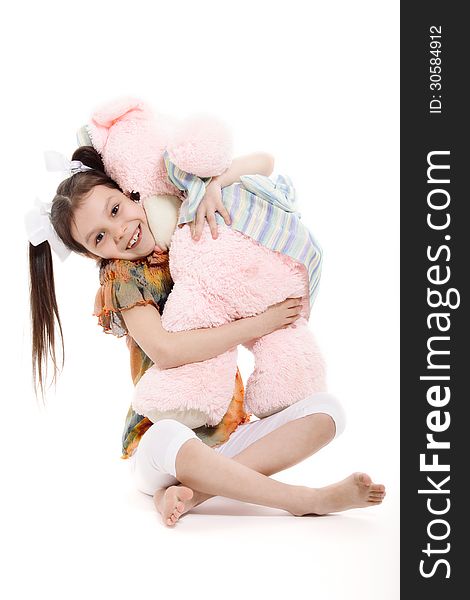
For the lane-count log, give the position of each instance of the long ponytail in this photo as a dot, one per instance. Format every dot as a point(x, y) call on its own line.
point(44, 314)
point(45, 320)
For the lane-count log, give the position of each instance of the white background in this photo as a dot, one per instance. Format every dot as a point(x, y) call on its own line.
point(314, 83)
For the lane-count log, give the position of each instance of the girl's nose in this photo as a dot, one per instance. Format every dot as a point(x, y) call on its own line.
point(118, 233)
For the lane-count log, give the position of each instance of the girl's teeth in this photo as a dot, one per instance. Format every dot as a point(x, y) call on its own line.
point(134, 239)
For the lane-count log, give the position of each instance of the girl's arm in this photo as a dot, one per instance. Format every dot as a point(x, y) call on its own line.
point(168, 350)
point(260, 163)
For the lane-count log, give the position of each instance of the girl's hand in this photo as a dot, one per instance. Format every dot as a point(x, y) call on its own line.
point(278, 316)
point(210, 204)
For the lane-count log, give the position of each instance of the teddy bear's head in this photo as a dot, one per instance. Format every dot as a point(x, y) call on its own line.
point(131, 139)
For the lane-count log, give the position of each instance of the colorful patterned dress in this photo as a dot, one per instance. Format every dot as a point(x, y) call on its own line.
point(125, 284)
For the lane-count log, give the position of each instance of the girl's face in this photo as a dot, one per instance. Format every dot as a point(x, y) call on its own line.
point(111, 225)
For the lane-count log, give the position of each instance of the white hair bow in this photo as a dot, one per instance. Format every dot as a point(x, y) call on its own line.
point(38, 219)
point(39, 228)
point(58, 162)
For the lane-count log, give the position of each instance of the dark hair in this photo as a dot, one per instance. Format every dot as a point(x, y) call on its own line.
point(44, 311)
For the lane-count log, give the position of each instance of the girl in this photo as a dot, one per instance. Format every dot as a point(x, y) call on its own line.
point(90, 215)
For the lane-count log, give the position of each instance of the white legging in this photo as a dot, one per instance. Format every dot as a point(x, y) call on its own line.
point(153, 463)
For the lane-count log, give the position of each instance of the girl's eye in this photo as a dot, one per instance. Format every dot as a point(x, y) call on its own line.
point(115, 210)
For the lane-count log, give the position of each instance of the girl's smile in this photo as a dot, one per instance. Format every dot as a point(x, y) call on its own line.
point(111, 225)
point(135, 238)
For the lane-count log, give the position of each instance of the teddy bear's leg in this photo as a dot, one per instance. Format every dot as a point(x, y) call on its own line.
point(195, 394)
point(288, 368)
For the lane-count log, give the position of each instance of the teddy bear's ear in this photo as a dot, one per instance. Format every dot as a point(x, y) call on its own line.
point(108, 115)
point(112, 112)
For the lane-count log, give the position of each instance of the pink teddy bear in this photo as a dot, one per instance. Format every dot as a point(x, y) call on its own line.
point(215, 281)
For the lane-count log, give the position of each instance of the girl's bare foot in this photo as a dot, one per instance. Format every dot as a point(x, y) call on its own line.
point(356, 491)
point(172, 502)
